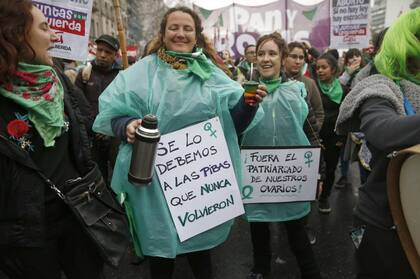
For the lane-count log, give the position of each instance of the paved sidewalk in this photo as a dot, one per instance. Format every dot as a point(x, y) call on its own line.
point(233, 259)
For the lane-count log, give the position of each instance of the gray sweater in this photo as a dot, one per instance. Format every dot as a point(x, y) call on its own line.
point(375, 107)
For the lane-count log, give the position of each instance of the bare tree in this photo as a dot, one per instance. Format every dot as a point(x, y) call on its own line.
point(151, 13)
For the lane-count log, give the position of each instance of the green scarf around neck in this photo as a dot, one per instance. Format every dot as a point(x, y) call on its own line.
point(196, 61)
point(271, 84)
point(38, 89)
point(333, 91)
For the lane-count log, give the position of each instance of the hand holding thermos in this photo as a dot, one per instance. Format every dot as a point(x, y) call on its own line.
point(145, 136)
point(131, 130)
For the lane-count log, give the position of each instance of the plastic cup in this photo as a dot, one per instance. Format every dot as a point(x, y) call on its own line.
point(250, 89)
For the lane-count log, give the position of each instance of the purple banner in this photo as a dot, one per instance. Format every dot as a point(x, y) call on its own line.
point(235, 26)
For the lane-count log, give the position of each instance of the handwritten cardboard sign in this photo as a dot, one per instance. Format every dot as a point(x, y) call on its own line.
point(273, 175)
point(197, 178)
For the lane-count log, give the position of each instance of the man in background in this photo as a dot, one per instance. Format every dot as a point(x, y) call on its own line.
point(92, 80)
point(250, 58)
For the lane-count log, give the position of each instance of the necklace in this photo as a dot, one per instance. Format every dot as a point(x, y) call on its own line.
point(176, 63)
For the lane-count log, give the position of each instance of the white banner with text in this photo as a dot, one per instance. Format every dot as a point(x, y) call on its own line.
point(274, 175)
point(70, 20)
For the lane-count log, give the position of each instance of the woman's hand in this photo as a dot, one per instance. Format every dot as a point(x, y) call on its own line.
point(131, 130)
point(260, 93)
point(353, 67)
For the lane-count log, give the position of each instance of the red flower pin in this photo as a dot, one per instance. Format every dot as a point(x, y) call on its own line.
point(17, 128)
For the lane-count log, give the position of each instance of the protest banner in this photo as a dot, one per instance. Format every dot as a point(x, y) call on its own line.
point(236, 26)
point(272, 175)
point(350, 23)
point(197, 178)
point(70, 19)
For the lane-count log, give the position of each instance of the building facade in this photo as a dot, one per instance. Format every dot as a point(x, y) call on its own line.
point(385, 12)
point(103, 18)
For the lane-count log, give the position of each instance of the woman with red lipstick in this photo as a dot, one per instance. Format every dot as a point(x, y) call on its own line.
point(42, 129)
point(181, 83)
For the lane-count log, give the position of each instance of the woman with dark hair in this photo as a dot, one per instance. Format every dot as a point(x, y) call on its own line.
point(384, 107)
point(42, 129)
point(353, 62)
point(332, 94)
point(333, 52)
point(285, 115)
point(370, 68)
point(181, 83)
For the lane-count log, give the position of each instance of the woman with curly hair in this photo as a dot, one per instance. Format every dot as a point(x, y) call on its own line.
point(42, 129)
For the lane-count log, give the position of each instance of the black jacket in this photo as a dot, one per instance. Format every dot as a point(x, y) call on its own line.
point(22, 190)
point(331, 110)
point(385, 131)
point(98, 81)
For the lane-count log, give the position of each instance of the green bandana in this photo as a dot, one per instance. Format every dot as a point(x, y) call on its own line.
point(334, 91)
point(271, 85)
point(196, 61)
point(38, 90)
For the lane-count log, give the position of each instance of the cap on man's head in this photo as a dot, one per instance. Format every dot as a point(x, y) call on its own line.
point(109, 40)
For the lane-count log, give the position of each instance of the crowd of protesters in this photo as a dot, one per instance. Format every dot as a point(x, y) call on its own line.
point(357, 106)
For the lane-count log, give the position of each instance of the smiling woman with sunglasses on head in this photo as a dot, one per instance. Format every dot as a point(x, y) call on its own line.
point(40, 131)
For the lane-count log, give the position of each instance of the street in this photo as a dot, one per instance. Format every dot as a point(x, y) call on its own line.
point(233, 259)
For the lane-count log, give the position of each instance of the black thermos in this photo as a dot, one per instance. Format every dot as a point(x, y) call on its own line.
point(144, 151)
